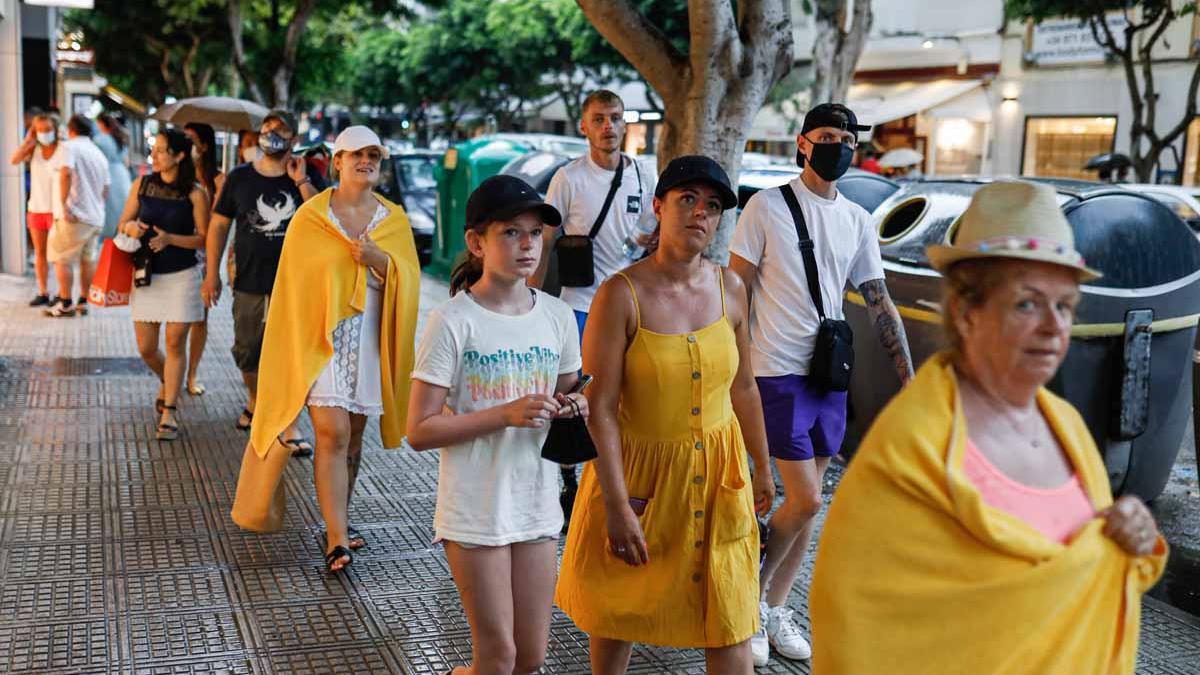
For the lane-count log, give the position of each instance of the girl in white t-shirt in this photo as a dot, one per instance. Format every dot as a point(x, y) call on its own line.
point(490, 376)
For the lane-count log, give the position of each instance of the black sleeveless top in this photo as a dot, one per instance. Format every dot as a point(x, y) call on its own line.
point(161, 205)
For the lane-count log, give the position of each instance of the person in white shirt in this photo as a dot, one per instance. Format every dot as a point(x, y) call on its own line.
point(43, 152)
point(805, 421)
point(579, 191)
point(492, 371)
point(83, 180)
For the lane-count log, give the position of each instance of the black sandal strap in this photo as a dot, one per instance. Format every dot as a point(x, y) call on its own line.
point(169, 407)
point(336, 554)
point(168, 427)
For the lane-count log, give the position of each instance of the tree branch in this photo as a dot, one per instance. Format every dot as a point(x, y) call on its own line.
point(291, 45)
point(239, 51)
point(768, 17)
point(639, 41)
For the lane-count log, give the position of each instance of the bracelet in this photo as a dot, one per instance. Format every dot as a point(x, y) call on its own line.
point(306, 180)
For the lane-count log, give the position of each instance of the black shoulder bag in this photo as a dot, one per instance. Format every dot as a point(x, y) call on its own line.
point(576, 262)
point(833, 356)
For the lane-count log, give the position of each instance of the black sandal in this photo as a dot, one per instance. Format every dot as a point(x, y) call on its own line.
point(167, 432)
point(249, 420)
point(354, 535)
point(335, 555)
point(299, 446)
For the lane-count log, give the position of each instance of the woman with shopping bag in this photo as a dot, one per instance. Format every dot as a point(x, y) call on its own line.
point(167, 212)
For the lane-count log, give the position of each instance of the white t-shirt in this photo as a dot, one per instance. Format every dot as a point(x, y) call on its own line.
point(497, 490)
point(43, 180)
point(578, 190)
point(783, 318)
point(89, 177)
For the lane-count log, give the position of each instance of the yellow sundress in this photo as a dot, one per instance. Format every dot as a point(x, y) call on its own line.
point(682, 450)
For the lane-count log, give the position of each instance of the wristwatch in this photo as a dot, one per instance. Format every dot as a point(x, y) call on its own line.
point(302, 182)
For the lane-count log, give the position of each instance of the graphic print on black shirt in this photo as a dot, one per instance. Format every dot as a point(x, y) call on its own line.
point(261, 207)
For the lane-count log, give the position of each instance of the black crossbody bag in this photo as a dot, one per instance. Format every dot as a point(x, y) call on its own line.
point(576, 261)
point(833, 356)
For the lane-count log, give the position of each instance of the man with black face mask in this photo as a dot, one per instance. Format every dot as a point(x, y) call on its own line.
point(805, 417)
point(261, 196)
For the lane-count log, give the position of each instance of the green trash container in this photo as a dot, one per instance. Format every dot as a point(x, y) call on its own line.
point(461, 170)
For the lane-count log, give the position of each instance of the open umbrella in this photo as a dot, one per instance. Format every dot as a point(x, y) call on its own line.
point(1109, 160)
point(221, 112)
point(899, 157)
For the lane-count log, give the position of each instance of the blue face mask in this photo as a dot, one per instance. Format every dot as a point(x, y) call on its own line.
point(273, 145)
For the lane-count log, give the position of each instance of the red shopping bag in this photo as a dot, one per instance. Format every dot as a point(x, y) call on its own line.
point(113, 279)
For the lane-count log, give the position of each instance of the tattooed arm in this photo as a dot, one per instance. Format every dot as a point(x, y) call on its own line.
point(886, 319)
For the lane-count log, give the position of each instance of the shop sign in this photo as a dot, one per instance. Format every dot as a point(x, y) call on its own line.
point(1065, 41)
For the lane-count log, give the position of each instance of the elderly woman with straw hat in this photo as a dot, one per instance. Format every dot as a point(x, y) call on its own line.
point(977, 532)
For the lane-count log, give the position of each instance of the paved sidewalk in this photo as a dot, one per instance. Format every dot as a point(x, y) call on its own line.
point(117, 553)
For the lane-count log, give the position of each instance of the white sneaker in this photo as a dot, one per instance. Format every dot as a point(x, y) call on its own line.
point(785, 636)
point(760, 648)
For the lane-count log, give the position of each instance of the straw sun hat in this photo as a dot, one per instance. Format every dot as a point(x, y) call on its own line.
point(1013, 219)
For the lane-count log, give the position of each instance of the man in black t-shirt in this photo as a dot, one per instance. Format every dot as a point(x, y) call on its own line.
point(261, 197)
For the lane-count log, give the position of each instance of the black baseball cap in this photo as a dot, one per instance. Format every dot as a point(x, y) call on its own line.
point(692, 168)
point(283, 116)
point(832, 115)
point(503, 197)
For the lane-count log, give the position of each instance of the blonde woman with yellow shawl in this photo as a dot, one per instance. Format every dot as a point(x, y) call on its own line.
point(339, 340)
point(975, 531)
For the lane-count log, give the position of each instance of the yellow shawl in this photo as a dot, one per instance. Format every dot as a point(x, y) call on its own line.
point(318, 285)
point(916, 574)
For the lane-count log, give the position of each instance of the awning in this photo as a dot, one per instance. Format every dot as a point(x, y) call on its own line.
point(881, 103)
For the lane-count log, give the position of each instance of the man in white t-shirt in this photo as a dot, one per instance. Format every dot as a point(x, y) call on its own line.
point(579, 190)
point(78, 214)
point(805, 423)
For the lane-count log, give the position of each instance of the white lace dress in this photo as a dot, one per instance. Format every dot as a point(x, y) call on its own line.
point(351, 379)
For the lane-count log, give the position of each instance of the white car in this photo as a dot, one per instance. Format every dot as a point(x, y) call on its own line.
point(1184, 201)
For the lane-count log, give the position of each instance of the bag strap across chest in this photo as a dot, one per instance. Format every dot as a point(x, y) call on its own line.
point(806, 248)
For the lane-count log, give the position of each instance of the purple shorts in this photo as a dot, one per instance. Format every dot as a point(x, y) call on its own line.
point(802, 420)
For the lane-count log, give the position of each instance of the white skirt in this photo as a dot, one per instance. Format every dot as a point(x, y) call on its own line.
point(352, 379)
point(170, 298)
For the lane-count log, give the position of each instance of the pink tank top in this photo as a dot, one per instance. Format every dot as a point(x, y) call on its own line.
point(1056, 512)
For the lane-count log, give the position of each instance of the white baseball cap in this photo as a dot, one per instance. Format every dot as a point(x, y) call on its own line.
point(358, 137)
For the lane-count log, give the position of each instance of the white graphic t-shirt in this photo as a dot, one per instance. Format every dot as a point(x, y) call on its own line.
point(497, 490)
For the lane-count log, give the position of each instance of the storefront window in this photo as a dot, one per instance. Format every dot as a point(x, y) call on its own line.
point(1191, 157)
point(1059, 147)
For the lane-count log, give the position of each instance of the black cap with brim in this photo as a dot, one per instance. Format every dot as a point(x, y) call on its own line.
point(283, 116)
point(505, 197)
point(696, 169)
point(833, 115)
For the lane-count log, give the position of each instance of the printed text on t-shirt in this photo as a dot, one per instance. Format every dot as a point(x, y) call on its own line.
point(507, 373)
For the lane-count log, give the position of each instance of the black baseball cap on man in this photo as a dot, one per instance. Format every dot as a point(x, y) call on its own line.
point(693, 168)
point(282, 116)
point(503, 197)
point(833, 115)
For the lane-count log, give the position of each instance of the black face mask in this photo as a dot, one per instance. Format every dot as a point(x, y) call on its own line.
point(273, 145)
point(829, 160)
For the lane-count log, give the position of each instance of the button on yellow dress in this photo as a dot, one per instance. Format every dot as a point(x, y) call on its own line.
point(683, 452)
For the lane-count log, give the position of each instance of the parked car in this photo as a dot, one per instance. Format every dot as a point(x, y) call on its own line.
point(408, 179)
point(1184, 201)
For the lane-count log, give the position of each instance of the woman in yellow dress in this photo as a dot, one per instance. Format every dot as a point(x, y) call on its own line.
point(663, 545)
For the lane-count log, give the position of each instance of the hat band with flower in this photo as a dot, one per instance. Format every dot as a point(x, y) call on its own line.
point(1069, 255)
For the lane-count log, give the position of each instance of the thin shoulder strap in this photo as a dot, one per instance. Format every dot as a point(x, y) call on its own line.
point(721, 276)
point(637, 309)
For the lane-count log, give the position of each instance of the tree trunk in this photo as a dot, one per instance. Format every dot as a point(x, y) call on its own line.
point(282, 81)
point(840, 42)
point(239, 52)
point(712, 94)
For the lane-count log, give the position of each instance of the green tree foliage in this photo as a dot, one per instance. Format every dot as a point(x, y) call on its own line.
point(1147, 22)
point(155, 48)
